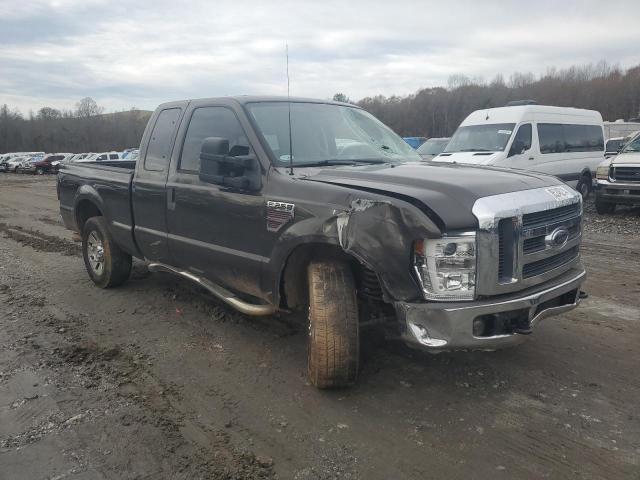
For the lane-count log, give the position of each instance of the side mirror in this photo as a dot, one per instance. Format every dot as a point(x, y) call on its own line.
point(217, 166)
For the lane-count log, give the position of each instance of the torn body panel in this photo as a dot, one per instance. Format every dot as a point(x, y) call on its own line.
point(380, 234)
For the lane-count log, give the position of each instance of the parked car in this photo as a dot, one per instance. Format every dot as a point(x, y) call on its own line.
point(565, 142)
point(88, 157)
point(415, 142)
point(618, 179)
point(455, 256)
point(42, 165)
point(432, 147)
point(27, 164)
point(107, 156)
point(10, 161)
point(15, 162)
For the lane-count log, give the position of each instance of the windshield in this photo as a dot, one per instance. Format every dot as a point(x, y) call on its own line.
point(633, 145)
point(327, 132)
point(433, 146)
point(481, 138)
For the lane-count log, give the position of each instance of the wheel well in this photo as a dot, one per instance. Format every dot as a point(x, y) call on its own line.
point(84, 211)
point(586, 173)
point(293, 280)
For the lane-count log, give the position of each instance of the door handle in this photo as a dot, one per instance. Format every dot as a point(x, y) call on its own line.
point(532, 158)
point(171, 198)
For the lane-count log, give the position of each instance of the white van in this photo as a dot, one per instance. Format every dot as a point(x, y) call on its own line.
point(565, 142)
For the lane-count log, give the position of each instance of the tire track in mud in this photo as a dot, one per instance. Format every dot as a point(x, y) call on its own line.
point(40, 241)
point(120, 400)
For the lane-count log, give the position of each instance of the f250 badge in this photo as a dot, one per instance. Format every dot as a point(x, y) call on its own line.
point(278, 214)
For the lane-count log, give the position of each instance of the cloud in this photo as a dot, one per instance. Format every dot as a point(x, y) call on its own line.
point(141, 53)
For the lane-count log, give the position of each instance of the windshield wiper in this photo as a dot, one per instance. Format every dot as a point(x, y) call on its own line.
point(335, 161)
point(472, 150)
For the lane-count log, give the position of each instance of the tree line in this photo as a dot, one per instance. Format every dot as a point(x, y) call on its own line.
point(85, 129)
point(430, 112)
point(437, 112)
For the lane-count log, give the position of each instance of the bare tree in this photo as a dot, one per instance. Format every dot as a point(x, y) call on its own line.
point(87, 107)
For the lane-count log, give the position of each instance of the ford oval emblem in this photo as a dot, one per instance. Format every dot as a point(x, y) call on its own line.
point(558, 238)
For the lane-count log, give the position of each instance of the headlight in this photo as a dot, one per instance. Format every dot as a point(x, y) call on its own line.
point(602, 172)
point(446, 267)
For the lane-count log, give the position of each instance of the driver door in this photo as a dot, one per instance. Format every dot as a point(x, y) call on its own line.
point(215, 231)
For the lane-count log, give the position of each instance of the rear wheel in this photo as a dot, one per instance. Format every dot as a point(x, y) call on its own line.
point(584, 186)
point(604, 208)
point(107, 265)
point(334, 343)
point(40, 171)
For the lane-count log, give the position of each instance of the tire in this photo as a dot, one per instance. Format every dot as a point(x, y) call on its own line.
point(107, 265)
point(604, 208)
point(584, 186)
point(39, 171)
point(334, 343)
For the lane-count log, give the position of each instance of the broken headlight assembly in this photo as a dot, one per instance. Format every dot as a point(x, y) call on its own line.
point(446, 267)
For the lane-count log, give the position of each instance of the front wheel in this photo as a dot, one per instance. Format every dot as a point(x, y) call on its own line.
point(39, 171)
point(107, 265)
point(334, 343)
point(584, 186)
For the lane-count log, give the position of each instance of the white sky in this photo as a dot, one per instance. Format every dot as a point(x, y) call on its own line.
point(141, 53)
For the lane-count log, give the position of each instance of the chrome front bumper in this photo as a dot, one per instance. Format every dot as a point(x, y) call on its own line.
point(449, 326)
point(617, 192)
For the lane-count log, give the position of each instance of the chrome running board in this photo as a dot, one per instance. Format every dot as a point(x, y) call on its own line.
point(221, 293)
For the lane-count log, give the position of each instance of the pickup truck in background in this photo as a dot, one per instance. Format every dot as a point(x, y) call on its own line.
point(618, 178)
point(276, 204)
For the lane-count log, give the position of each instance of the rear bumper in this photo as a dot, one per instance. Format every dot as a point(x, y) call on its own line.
point(614, 192)
point(450, 326)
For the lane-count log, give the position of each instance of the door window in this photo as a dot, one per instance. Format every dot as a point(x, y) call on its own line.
point(159, 148)
point(113, 156)
point(212, 122)
point(522, 141)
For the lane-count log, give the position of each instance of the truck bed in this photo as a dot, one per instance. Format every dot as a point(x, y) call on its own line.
point(106, 184)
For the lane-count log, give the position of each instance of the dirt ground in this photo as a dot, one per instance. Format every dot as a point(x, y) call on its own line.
point(157, 380)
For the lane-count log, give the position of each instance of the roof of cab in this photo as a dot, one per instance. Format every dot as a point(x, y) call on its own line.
point(244, 99)
point(540, 113)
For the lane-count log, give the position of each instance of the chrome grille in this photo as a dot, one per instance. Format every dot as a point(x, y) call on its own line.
point(540, 254)
point(546, 217)
point(546, 264)
point(625, 174)
point(524, 237)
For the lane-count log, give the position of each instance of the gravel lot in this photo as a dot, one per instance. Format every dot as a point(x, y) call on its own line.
point(157, 380)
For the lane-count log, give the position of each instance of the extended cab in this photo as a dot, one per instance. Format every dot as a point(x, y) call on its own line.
point(332, 214)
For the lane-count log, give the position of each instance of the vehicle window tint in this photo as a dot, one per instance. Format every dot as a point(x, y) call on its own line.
point(159, 148)
point(113, 156)
point(102, 157)
point(559, 138)
point(522, 141)
point(212, 122)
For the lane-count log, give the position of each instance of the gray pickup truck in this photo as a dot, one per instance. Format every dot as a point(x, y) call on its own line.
point(276, 204)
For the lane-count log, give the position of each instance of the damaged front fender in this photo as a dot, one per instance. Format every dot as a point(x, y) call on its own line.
point(380, 234)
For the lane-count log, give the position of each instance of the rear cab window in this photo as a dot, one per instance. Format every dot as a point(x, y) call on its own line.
point(159, 148)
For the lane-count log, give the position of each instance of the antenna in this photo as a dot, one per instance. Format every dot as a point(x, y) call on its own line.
point(289, 106)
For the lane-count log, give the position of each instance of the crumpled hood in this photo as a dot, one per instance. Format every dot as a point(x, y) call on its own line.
point(630, 157)
point(472, 158)
point(449, 190)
